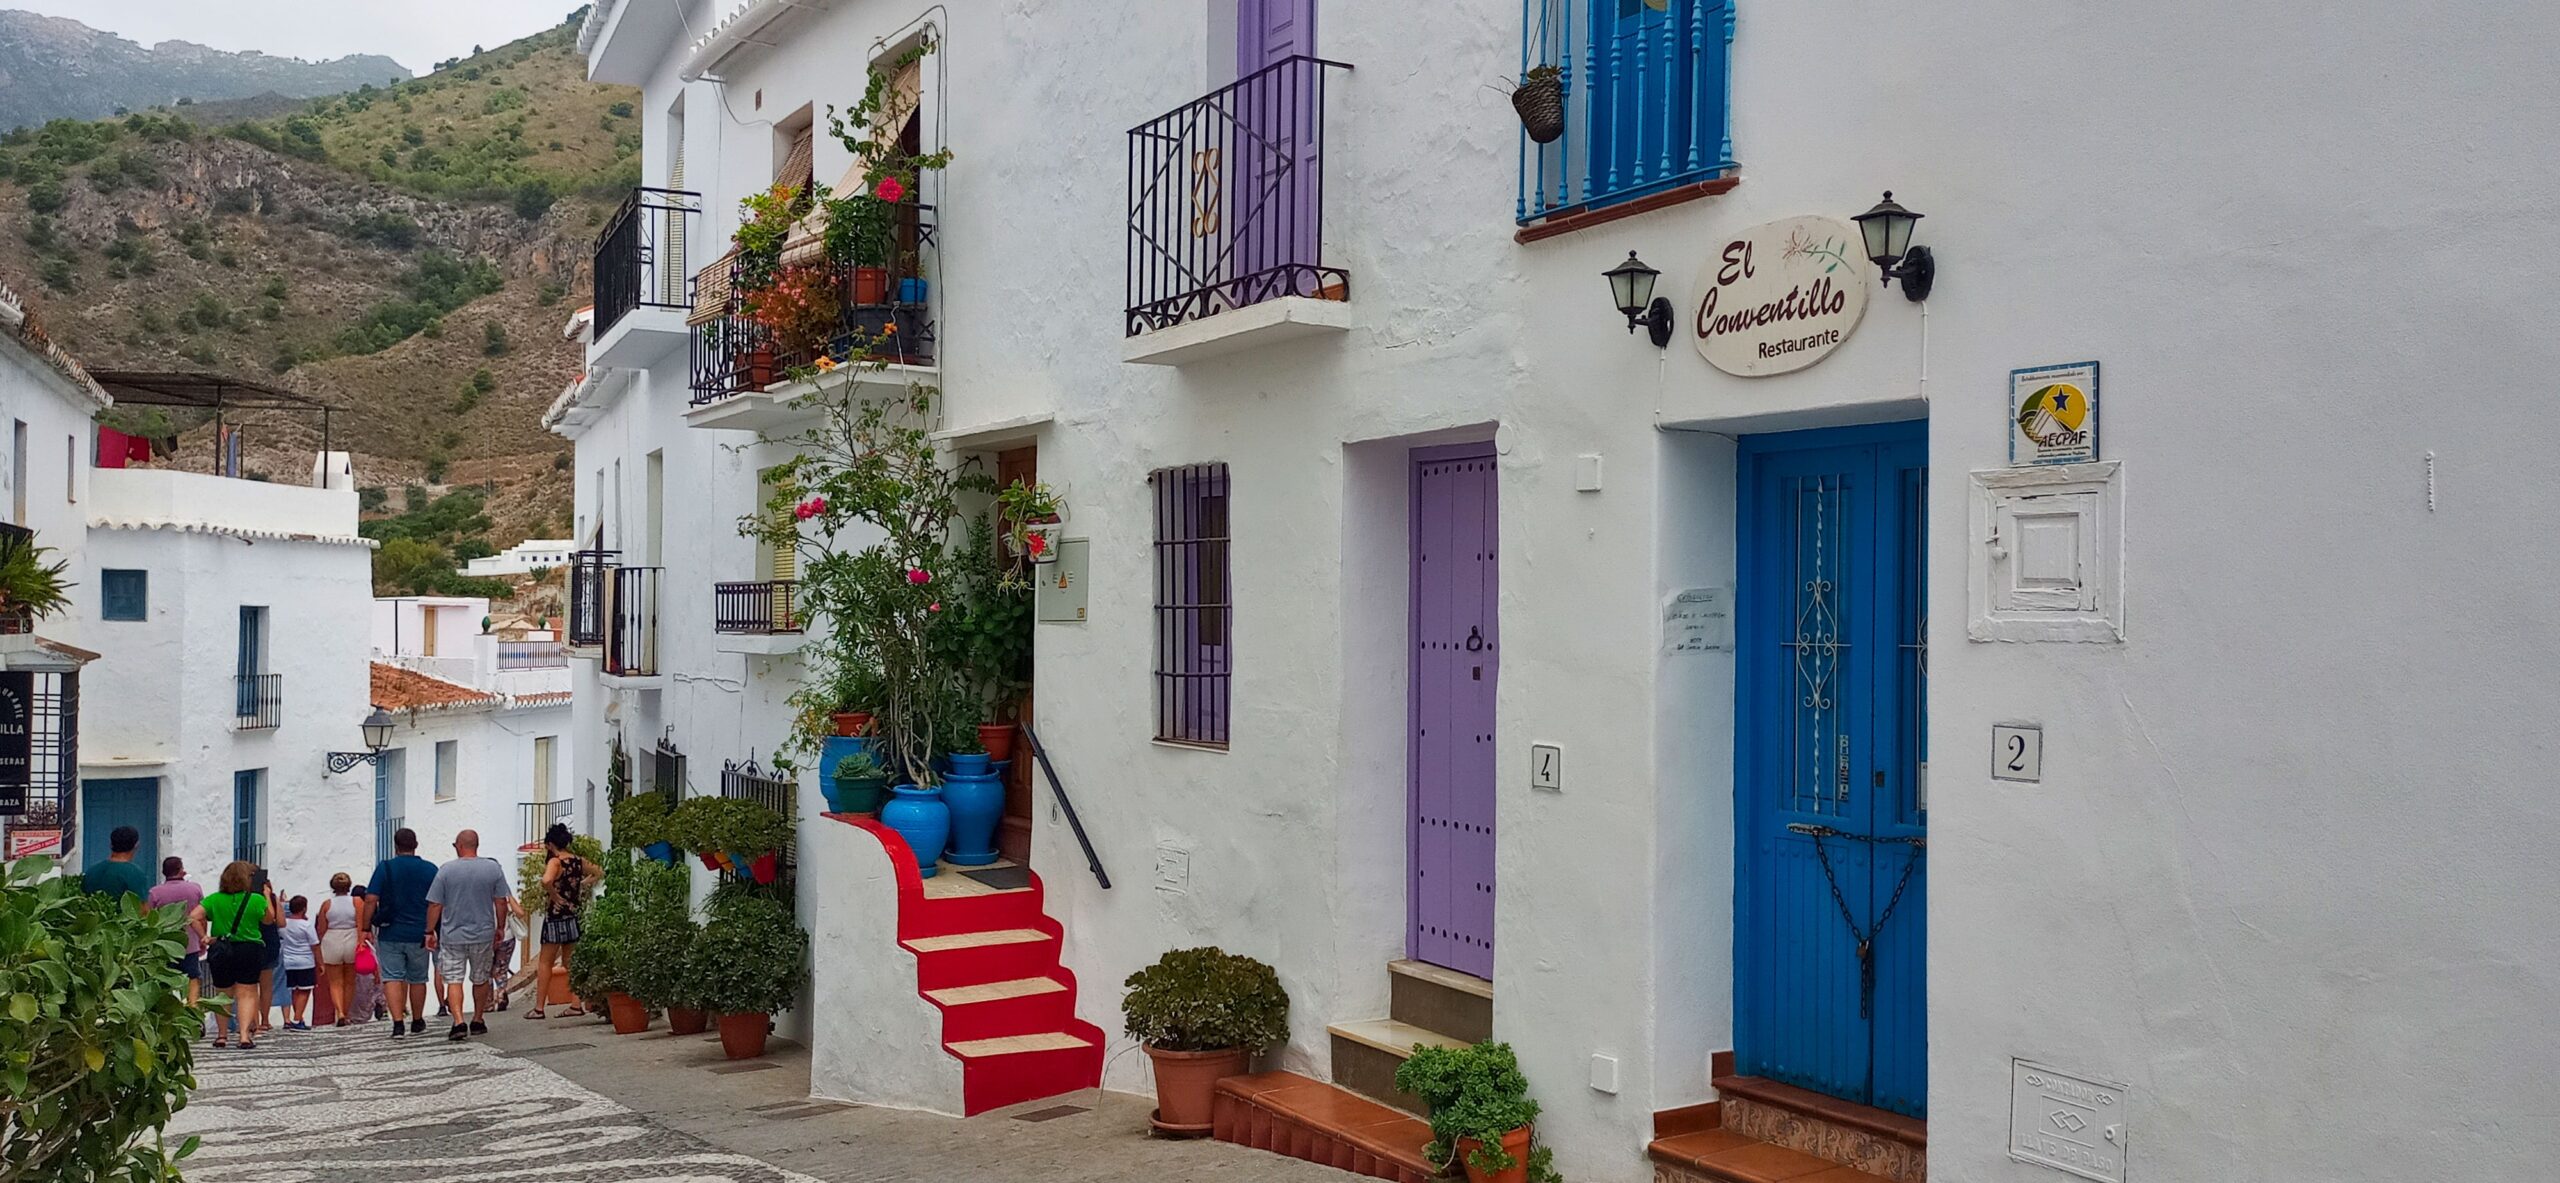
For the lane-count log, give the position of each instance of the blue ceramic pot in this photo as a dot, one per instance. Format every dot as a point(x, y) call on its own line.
point(911, 291)
point(968, 763)
point(919, 816)
point(976, 800)
point(664, 852)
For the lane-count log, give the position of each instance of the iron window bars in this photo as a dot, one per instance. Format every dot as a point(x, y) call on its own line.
point(631, 648)
point(590, 579)
point(259, 704)
point(47, 799)
point(1194, 658)
point(755, 609)
point(640, 257)
point(1226, 199)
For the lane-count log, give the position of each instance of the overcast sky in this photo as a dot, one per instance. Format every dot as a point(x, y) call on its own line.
point(415, 33)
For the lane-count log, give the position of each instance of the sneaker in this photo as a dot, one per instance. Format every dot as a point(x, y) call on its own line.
point(398, 1030)
point(479, 1028)
point(458, 1034)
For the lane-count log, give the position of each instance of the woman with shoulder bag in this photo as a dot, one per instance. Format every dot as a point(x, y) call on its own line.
point(566, 881)
point(235, 953)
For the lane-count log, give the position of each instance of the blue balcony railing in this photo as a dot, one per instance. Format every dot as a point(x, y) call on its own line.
point(1647, 100)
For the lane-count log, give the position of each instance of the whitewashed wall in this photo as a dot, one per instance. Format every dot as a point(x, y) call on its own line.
point(494, 776)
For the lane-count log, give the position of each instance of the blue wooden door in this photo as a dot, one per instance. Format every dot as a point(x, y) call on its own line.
point(124, 801)
point(1831, 892)
point(1456, 666)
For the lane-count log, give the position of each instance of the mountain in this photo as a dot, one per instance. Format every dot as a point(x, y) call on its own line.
point(54, 67)
point(408, 254)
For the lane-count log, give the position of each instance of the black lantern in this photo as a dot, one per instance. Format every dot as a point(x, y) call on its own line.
point(377, 736)
point(1631, 285)
point(1887, 229)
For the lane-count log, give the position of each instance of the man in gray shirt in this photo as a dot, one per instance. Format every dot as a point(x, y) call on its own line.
point(466, 904)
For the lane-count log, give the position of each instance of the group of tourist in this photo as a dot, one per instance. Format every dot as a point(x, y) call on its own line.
point(415, 923)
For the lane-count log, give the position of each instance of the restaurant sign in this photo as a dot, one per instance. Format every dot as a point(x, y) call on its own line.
point(1781, 296)
point(17, 739)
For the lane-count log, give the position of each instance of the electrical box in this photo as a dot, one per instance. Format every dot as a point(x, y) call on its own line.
point(2047, 556)
point(1061, 584)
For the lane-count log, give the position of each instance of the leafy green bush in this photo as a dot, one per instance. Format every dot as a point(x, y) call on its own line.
point(751, 956)
point(661, 935)
point(595, 962)
point(100, 1047)
point(1206, 999)
point(640, 819)
point(1474, 1093)
point(740, 827)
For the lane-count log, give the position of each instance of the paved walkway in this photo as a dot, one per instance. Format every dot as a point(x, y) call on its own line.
point(567, 1101)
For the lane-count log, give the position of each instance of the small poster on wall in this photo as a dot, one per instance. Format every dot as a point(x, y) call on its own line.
point(2053, 414)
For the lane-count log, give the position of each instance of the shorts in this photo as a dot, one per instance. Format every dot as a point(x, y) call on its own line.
point(191, 965)
point(561, 928)
point(402, 962)
point(302, 979)
point(464, 962)
point(234, 963)
point(274, 947)
point(338, 947)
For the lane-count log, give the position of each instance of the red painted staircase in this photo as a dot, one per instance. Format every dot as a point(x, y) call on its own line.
point(988, 960)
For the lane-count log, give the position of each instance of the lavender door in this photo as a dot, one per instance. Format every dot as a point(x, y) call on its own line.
point(1456, 655)
point(1276, 139)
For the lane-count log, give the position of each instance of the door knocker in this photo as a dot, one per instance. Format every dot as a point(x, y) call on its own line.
point(1475, 638)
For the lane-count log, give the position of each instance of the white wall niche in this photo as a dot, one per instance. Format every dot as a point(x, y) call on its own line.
point(2047, 556)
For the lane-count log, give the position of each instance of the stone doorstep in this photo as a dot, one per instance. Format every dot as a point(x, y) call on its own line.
point(1769, 1132)
point(1367, 1052)
point(1292, 1115)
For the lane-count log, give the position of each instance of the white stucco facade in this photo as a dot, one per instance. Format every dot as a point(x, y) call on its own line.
point(2281, 877)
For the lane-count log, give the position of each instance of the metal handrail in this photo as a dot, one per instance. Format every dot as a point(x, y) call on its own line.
point(1040, 752)
point(258, 701)
point(758, 609)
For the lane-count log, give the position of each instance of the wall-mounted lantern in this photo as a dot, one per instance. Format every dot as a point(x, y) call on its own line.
point(1631, 285)
point(1887, 229)
point(377, 736)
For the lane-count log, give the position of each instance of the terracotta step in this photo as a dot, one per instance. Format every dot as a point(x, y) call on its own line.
point(1367, 1053)
point(1723, 1156)
point(1886, 1145)
point(1291, 1115)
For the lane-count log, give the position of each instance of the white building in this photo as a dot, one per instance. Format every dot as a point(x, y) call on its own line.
point(483, 724)
point(2232, 862)
point(524, 558)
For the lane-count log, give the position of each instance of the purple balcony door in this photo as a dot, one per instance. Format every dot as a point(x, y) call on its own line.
point(1456, 657)
point(1274, 153)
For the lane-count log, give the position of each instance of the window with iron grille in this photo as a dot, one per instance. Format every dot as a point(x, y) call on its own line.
point(1194, 650)
point(667, 771)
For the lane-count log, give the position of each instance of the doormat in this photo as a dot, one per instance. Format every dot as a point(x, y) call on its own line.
point(1002, 878)
point(1052, 1113)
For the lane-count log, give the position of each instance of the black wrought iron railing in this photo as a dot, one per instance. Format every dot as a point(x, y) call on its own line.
point(258, 701)
point(1226, 199)
point(537, 817)
point(631, 645)
point(755, 609)
point(640, 257)
point(590, 583)
point(882, 314)
point(777, 792)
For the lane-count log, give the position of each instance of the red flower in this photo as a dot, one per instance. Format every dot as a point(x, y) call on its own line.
point(919, 576)
point(811, 508)
point(889, 190)
point(1037, 544)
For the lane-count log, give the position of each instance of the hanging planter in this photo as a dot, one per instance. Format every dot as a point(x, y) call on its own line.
point(1539, 100)
point(664, 852)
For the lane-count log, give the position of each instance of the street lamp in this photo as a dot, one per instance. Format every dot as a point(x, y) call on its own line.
point(377, 736)
point(1631, 285)
point(1887, 229)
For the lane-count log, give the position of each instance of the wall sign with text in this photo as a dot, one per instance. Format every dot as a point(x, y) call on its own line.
point(1781, 296)
point(2053, 414)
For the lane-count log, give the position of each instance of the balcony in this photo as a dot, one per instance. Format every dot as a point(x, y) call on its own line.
point(761, 618)
point(1226, 221)
point(536, 818)
point(590, 585)
point(882, 328)
point(631, 640)
point(1643, 90)
point(258, 701)
point(642, 294)
point(532, 655)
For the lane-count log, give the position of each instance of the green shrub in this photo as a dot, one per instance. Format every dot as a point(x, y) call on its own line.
point(1206, 999)
point(100, 1051)
point(739, 827)
point(661, 936)
point(595, 962)
point(1474, 1093)
point(640, 819)
point(750, 957)
point(494, 344)
point(45, 196)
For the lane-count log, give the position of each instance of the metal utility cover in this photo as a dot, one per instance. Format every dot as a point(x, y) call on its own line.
point(2068, 1122)
point(1062, 583)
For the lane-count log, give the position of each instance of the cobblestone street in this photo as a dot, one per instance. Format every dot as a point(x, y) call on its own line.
point(566, 1100)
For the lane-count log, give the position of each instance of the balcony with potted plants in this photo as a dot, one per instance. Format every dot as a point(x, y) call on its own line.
point(641, 280)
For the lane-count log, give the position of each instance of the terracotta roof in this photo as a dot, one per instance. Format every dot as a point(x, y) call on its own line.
point(396, 689)
point(547, 698)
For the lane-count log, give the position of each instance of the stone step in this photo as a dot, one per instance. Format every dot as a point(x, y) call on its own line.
point(1885, 1145)
point(1367, 1053)
point(1437, 999)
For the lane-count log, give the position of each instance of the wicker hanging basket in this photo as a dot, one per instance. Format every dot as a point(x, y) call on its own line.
point(1540, 101)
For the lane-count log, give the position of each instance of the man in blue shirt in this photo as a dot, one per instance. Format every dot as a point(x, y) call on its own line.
point(398, 895)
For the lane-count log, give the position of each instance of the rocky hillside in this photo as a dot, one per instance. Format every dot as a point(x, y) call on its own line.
point(425, 303)
point(54, 68)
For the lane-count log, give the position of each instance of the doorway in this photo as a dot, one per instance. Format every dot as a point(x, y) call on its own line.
point(1456, 664)
point(121, 801)
point(1830, 796)
point(1013, 831)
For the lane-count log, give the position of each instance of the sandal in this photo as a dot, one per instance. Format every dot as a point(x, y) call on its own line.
point(574, 1012)
point(246, 1045)
point(536, 1013)
point(221, 1041)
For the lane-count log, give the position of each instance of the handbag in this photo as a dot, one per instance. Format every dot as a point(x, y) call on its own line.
point(365, 960)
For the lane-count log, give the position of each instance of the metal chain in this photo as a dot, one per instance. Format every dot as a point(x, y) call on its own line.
point(1866, 940)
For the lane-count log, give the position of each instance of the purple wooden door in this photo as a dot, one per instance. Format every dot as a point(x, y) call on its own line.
point(1456, 655)
point(1274, 152)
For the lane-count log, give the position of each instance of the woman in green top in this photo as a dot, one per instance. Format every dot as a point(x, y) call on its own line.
point(234, 952)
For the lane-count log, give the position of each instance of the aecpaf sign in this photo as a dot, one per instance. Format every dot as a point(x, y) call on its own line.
point(1780, 296)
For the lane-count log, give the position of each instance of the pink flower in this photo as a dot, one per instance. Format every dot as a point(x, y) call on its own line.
point(889, 190)
point(919, 576)
point(810, 508)
point(936, 606)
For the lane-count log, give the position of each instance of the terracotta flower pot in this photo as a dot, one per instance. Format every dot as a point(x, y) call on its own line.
point(759, 366)
point(687, 1021)
point(766, 867)
point(852, 723)
point(742, 1036)
point(870, 285)
point(1186, 1083)
point(997, 738)
point(630, 1015)
point(1517, 1142)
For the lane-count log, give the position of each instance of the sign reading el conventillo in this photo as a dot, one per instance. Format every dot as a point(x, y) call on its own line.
point(1781, 296)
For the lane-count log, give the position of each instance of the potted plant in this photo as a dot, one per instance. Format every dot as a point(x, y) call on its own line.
point(860, 784)
point(1033, 513)
point(643, 822)
point(30, 588)
point(855, 685)
point(1539, 101)
point(861, 238)
point(798, 309)
point(1201, 1014)
point(1481, 1114)
point(732, 834)
point(660, 933)
point(598, 965)
point(746, 966)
